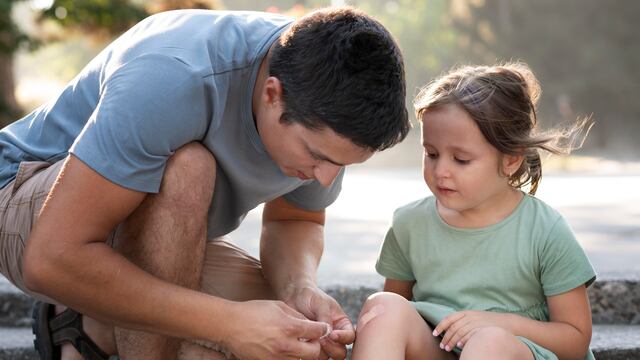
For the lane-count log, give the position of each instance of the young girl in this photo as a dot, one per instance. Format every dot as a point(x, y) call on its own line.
point(481, 270)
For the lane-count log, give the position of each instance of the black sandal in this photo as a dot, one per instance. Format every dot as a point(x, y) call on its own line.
point(52, 330)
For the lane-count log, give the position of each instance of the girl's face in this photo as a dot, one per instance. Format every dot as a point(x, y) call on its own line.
point(460, 167)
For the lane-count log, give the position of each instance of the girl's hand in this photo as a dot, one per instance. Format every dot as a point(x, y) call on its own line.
point(460, 326)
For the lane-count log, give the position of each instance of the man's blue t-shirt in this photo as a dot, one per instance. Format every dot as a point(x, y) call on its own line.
point(174, 78)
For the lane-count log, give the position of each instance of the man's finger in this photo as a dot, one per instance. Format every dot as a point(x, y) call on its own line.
point(304, 350)
point(312, 330)
point(344, 337)
point(343, 330)
point(292, 312)
point(321, 310)
point(333, 349)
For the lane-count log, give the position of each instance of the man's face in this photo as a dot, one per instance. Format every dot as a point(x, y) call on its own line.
point(309, 154)
point(298, 151)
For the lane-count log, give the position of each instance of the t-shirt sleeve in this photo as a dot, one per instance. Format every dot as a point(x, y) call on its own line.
point(563, 263)
point(392, 262)
point(315, 197)
point(148, 108)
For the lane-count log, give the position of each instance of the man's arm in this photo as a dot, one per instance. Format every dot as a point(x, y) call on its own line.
point(67, 260)
point(291, 246)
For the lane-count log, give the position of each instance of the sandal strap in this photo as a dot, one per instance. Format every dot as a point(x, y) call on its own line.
point(67, 327)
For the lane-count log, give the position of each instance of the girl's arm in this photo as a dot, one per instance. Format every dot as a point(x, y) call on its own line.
point(400, 287)
point(567, 333)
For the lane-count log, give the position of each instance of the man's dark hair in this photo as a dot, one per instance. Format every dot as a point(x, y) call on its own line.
point(340, 68)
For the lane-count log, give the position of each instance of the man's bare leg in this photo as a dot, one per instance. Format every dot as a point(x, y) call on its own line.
point(192, 351)
point(231, 273)
point(166, 236)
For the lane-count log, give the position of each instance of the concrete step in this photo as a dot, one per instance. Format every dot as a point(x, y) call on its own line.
point(609, 342)
point(15, 306)
point(613, 301)
point(17, 344)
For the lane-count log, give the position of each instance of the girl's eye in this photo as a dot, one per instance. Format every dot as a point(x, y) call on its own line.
point(431, 155)
point(462, 162)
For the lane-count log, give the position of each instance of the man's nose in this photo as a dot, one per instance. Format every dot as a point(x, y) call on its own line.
point(326, 173)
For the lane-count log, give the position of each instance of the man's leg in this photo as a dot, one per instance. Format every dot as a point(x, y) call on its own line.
point(166, 236)
point(20, 204)
point(227, 272)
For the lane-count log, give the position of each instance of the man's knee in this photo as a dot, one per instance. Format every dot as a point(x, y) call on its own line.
point(193, 160)
point(189, 176)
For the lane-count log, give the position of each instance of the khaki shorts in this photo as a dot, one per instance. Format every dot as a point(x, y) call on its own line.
point(228, 271)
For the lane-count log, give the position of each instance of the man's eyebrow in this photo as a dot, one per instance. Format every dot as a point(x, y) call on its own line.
point(320, 156)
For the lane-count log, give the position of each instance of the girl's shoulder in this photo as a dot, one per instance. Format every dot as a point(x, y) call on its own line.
point(538, 211)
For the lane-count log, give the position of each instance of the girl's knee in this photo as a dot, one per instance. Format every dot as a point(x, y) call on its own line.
point(384, 307)
point(388, 300)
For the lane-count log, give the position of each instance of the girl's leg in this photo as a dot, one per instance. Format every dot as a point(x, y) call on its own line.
point(390, 328)
point(495, 343)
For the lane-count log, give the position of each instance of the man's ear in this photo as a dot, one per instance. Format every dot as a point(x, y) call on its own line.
point(272, 91)
point(511, 164)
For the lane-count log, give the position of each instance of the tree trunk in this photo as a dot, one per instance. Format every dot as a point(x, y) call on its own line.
point(9, 109)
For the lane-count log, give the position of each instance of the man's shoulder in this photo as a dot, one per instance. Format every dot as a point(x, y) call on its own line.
point(217, 25)
point(219, 41)
point(239, 16)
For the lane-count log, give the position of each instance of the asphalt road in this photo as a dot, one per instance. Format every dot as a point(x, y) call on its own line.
point(602, 208)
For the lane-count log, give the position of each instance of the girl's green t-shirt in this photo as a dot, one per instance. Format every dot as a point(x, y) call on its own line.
point(511, 266)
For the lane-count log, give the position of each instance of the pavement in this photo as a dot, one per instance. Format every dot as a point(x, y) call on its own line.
point(603, 207)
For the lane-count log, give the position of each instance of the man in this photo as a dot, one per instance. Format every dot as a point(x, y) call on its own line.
point(168, 138)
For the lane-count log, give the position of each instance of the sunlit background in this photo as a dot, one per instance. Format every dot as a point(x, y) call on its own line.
point(584, 52)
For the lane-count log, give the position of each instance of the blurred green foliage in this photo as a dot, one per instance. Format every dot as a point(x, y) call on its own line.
point(11, 39)
point(111, 16)
point(100, 20)
point(584, 52)
point(89, 16)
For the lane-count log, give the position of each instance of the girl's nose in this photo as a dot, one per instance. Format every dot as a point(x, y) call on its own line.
point(441, 169)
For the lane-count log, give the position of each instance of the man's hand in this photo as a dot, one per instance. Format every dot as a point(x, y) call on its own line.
point(264, 329)
point(460, 326)
point(316, 305)
point(290, 249)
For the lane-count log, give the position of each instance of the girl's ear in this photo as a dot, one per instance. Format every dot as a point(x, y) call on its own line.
point(511, 164)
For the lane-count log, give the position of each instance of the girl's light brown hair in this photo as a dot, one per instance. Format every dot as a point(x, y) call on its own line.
point(502, 99)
